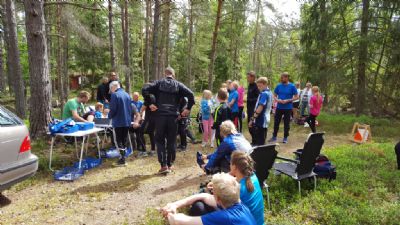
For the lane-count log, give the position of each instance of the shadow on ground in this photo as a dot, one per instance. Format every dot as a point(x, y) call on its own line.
point(4, 201)
point(182, 183)
point(126, 184)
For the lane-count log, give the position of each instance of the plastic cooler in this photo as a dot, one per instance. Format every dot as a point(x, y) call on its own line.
point(70, 129)
point(85, 125)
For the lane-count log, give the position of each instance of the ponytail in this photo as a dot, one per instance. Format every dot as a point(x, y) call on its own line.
point(316, 89)
point(245, 164)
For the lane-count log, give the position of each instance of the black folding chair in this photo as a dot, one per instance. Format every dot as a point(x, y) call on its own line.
point(303, 166)
point(264, 157)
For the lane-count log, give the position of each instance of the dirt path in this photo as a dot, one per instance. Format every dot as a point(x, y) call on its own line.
point(109, 195)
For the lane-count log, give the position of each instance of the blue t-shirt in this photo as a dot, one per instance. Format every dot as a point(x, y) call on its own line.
point(285, 92)
point(253, 200)
point(138, 104)
point(205, 109)
point(98, 114)
point(237, 214)
point(234, 95)
point(264, 99)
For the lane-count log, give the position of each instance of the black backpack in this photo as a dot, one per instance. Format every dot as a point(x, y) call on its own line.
point(324, 168)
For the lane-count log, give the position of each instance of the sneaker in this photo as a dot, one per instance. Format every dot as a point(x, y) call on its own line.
point(181, 148)
point(285, 140)
point(142, 154)
point(199, 160)
point(164, 170)
point(152, 152)
point(212, 145)
point(121, 162)
point(273, 139)
point(306, 125)
point(171, 168)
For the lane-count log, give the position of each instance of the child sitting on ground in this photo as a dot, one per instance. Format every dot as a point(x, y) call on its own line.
point(219, 161)
point(206, 116)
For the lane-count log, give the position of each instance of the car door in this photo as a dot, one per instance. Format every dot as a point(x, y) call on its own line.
point(12, 134)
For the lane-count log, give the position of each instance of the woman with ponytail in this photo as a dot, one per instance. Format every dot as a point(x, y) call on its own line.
point(242, 167)
point(315, 108)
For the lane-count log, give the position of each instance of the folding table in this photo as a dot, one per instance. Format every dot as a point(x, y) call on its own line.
point(84, 135)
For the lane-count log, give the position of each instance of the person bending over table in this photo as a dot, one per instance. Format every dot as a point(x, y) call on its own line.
point(225, 202)
point(220, 159)
point(121, 115)
point(75, 108)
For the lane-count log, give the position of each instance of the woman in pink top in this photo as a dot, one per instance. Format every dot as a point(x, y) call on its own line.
point(315, 107)
point(240, 91)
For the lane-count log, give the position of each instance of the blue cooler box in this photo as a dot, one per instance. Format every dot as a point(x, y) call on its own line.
point(68, 174)
point(70, 129)
point(85, 125)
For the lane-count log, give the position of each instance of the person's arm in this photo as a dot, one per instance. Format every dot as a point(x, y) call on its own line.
point(76, 116)
point(113, 106)
point(217, 155)
point(182, 219)
point(208, 199)
point(186, 92)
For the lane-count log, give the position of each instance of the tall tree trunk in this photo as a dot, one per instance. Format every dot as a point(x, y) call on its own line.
point(324, 48)
point(154, 73)
point(40, 106)
point(7, 47)
point(214, 46)
point(166, 21)
point(147, 42)
point(190, 46)
point(255, 39)
point(60, 77)
point(111, 34)
point(125, 39)
point(48, 16)
point(15, 65)
point(2, 75)
point(65, 58)
point(362, 58)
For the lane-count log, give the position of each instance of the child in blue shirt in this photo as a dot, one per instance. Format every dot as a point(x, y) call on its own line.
point(136, 101)
point(233, 102)
point(99, 110)
point(206, 117)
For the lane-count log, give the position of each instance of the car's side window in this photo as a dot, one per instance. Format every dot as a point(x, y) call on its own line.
point(7, 118)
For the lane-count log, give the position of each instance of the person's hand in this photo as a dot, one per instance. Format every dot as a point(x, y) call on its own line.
point(153, 107)
point(135, 125)
point(210, 186)
point(173, 217)
point(106, 101)
point(204, 157)
point(170, 208)
point(251, 123)
point(185, 113)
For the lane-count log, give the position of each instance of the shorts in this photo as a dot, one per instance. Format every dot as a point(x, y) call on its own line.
point(296, 105)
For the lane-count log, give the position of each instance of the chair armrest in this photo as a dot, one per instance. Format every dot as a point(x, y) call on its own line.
point(289, 160)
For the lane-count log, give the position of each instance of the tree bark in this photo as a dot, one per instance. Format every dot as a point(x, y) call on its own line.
point(15, 65)
point(60, 77)
point(362, 59)
point(111, 34)
point(10, 82)
point(166, 21)
point(190, 46)
point(125, 39)
point(214, 46)
point(154, 75)
point(40, 106)
point(65, 58)
point(147, 42)
point(324, 48)
point(2, 75)
point(255, 40)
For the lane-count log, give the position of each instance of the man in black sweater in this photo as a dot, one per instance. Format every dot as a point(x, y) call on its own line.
point(102, 91)
point(397, 150)
point(221, 114)
point(167, 93)
point(252, 96)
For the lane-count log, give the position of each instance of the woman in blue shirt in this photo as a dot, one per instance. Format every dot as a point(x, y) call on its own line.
point(242, 167)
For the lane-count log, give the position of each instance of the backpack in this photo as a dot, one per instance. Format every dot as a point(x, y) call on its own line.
point(324, 168)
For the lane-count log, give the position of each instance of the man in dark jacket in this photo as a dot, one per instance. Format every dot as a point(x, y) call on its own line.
point(102, 91)
point(113, 77)
point(252, 96)
point(168, 92)
point(397, 150)
point(121, 115)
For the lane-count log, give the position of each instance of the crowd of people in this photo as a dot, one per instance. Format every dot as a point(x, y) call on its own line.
point(234, 194)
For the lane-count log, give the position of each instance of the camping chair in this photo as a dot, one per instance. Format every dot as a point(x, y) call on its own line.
point(302, 167)
point(264, 157)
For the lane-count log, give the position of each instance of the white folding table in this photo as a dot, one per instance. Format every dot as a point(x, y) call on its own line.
point(84, 135)
point(108, 127)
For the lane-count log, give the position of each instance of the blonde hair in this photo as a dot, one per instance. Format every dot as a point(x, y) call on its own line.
point(84, 94)
point(224, 85)
point(207, 94)
point(316, 90)
point(226, 189)
point(222, 94)
point(262, 80)
point(245, 164)
point(235, 84)
point(227, 127)
point(98, 106)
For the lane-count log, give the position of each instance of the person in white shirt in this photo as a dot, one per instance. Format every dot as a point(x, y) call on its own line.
point(305, 96)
